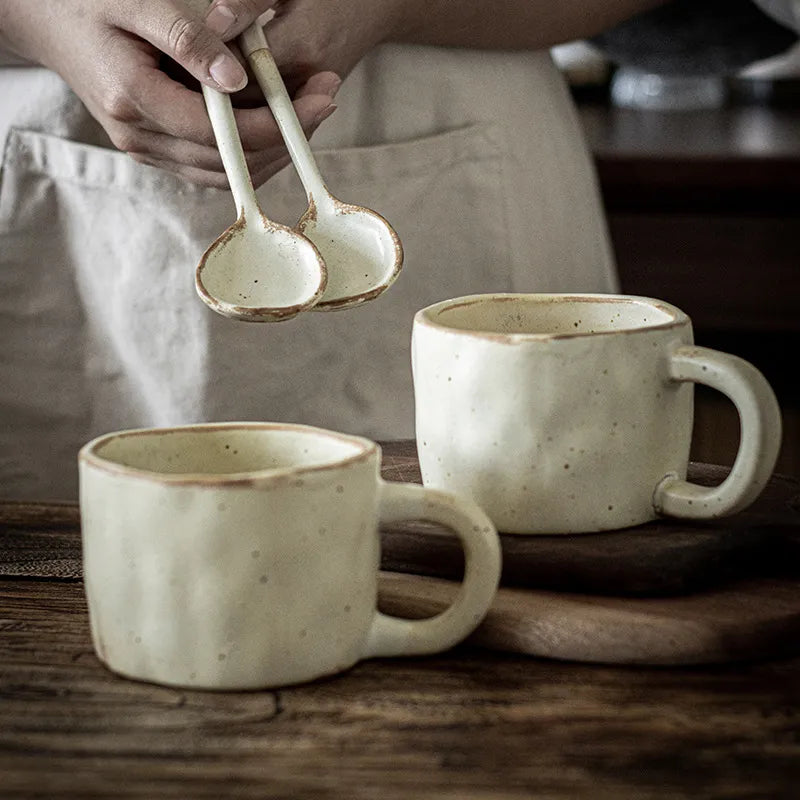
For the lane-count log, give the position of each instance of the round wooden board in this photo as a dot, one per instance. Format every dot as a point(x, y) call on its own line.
point(664, 557)
point(748, 620)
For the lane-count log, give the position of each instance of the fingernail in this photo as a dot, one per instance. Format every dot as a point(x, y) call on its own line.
point(324, 114)
point(228, 73)
point(220, 19)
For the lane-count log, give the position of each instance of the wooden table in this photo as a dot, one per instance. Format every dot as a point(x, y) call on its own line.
point(465, 725)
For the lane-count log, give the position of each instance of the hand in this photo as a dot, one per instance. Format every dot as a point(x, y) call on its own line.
point(308, 36)
point(108, 51)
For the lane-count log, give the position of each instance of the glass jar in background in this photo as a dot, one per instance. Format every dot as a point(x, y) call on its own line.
point(637, 88)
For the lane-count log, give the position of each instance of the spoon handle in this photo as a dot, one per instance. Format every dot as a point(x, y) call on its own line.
point(220, 112)
point(255, 48)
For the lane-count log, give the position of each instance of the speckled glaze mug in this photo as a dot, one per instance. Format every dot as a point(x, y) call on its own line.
point(246, 555)
point(573, 413)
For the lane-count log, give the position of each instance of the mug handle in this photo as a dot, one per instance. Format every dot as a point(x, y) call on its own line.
point(394, 636)
point(759, 439)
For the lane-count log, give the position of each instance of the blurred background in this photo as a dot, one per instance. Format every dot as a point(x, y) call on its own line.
point(692, 113)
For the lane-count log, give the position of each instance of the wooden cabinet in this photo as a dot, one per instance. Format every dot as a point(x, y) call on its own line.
point(704, 211)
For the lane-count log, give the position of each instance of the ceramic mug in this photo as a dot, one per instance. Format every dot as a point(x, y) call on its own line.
point(246, 555)
point(573, 413)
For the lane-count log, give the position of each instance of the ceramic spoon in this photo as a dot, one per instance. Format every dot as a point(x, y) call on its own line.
point(362, 252)
point(257, 270)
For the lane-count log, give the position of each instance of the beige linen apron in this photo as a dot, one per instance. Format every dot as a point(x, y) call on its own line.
point(476, 159)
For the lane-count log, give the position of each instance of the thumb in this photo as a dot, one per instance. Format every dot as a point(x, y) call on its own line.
point(178, 29)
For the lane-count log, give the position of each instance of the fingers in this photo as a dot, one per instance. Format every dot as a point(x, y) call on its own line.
point(323, 83)
point(178, 151)
point(172, 27)
point(215, 180)
point(228, 18)
point(171, 143)
point(164, 106)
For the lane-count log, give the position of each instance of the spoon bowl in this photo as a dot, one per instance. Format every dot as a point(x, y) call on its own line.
point(257, 270)
point(361, 251)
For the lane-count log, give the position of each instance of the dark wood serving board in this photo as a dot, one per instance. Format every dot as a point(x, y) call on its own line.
point(664, 557)
point(750, 619)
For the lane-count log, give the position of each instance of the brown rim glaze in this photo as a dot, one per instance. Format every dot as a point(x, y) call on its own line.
point(430, 316)
point(255, 313)
point(356, 299)
point(88, 455)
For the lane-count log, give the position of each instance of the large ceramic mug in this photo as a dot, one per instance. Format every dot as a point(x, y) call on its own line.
point(246, 555)
point(573, 413)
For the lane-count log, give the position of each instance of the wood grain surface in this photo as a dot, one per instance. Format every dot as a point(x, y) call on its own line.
point(747, 619)
point(467, 725)
point(471, 724)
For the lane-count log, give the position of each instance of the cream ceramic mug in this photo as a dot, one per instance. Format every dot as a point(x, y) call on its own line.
point(573, 413)
point(246, 555)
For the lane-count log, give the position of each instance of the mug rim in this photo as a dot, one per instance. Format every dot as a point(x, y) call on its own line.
point(429, 316)
point(89, 456)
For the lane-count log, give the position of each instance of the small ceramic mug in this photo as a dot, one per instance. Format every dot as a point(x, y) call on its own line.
point(573, 413)
point(246, 555)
